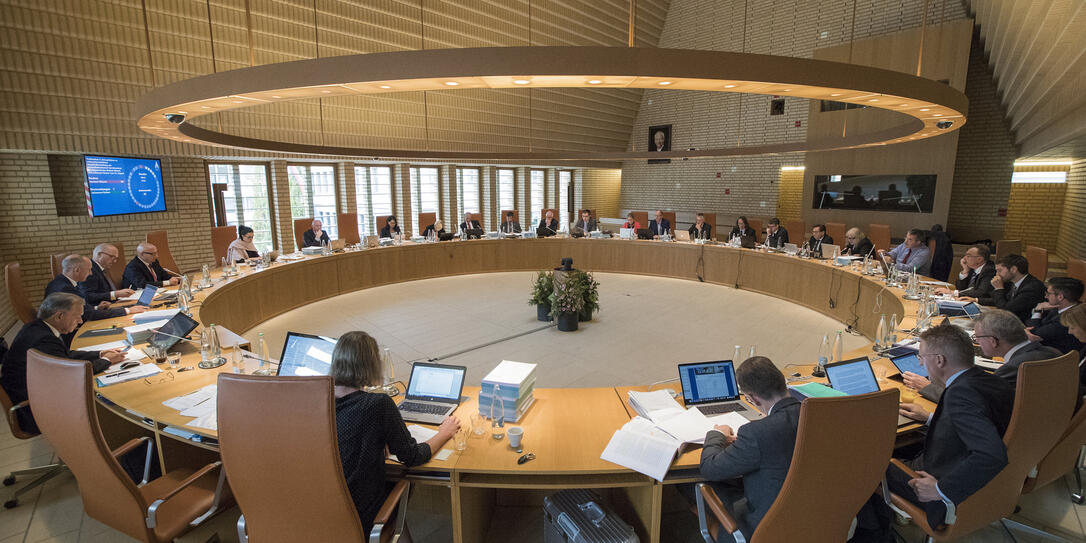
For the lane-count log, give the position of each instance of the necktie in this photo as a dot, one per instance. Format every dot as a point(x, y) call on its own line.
point(1011, 290)
point(154, 276)
point(907, 255)
point(109, 281)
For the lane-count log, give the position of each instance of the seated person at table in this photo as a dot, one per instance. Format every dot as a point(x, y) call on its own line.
point(999, 333)
point(391, 227)
point(509, 226)
point(942, 256)
point(975, 280)
point(857, 243)
point(435, 229)
point(1075, 321)
point(700, 229)
point(144, 269)
point(775, 234)
point(549, 226)
point(59, 314)
point(1013, 288)
point(369, 426)
point(818, 237)
point(760, 453)
point(963, 449)
point(1044, 324)
point(242, 249)
point(584, 224)
point(315, 236)
point(742, 229)
point(911, 254)
point(76, 268)
point(630, 222)
point(659, 226)
point(469, 224)
point(98, 287)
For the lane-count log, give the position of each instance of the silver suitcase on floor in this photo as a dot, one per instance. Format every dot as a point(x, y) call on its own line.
point(579, 516)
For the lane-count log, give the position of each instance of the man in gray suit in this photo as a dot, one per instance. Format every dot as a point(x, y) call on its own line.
point(999, 333)
point(760, 452)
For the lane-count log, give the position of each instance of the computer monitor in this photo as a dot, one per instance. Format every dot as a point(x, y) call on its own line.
point(705, 382)
point(167, 335)
point(306, 355)
point(436, 382)
point(910, 362)
point(852, 377)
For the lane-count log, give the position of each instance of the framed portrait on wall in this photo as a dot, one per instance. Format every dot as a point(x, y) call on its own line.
point(660, 140)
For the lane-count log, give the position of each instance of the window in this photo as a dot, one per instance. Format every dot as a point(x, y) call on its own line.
point(505, 190)
point(468, 181)
point(564, 179)
point(246, 199)
point(313, 194)
point(423, 193)
point(537, 177)
point(373, 195)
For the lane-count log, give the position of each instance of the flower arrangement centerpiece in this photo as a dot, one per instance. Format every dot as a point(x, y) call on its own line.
point(542, 288)
point(567, 302)
point(588, 288)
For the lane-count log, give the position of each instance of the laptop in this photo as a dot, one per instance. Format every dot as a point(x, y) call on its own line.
point(711, 388)
point(147, 295)
point(306, 355)
point(957, 309)
point(179, 326)
point(474, 233)
point(644, 233)
point(854, 377)
point(828, 250)
point(627, 233)
point(791, 248)
point(337, 245)
point(910, 362)
point(433, 392)
point(682, 235)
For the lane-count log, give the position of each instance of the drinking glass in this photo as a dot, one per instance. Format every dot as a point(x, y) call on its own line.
point(460, 440)
point(478, 424)
point(174, 358)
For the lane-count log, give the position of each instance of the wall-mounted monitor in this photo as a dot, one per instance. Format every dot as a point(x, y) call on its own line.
point(904, 192)
point(121, 186)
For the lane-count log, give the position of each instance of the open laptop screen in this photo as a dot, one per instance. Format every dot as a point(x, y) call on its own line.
point(147, 296)
point(705, 382)
point(910, 362)
point(852, 376)
point(306, 355)
point(436, 382)
point(176, 328)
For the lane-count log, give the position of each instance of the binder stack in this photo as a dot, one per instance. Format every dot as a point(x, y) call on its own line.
point(515, 381)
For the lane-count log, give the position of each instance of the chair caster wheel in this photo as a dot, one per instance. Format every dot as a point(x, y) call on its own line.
point(9, 480)
point(10, 504)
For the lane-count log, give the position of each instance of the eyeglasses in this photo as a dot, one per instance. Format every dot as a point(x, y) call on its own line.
point(925, 355)
point(168, 377)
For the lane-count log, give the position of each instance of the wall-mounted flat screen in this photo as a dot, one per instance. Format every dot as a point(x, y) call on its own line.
point(120, 186)
point(906, 193)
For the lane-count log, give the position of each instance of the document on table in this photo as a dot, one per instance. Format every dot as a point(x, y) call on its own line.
point(130, 374)
point(656, 405)
point(421, 434)
point(642, 447)
point(207, 422)
point(159, 314)
point(133, 354)
point(691, 425)
point(192, 399)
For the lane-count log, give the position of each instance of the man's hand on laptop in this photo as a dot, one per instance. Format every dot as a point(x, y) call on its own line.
point(914, 381)
point(913, 411)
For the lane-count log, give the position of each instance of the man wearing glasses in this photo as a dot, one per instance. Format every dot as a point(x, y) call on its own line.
point(975, 279)
point(145, 270)
point(1044, 326)
point(98, 287)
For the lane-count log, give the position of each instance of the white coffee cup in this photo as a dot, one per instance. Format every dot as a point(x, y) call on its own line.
point(515, 433)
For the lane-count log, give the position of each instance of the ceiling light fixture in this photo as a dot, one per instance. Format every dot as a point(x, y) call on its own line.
point(665, 83)
point(594, 81)
point(521, 81)
point(451, 83)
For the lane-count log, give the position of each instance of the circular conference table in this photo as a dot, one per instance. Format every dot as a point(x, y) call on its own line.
point(567, 428)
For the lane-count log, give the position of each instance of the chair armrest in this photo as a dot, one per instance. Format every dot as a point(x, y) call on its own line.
point(391, 501)
point(129, 447)
point(901, 466)
point(912, 509)
point(397, 497)
point(13, 420)
point(153, 508)
point(706, 497)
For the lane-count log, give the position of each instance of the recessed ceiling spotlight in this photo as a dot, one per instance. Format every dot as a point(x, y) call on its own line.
point(925, 109)
point(205, 107)
point(326, 92)
point(386, 87)
point(836, 94)
point(873, 100)
point(594, 81)
point(451, 83)
point(665, 83)
point(276, 96)
point(237, 101)
point(521, 81)
point(729, 86)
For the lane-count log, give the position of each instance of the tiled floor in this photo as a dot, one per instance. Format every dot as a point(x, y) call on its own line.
point(647, 326)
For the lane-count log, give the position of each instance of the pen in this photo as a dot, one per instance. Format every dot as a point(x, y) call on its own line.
point(116, 374)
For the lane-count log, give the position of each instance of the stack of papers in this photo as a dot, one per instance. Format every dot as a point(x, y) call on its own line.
point(149, 316)
point(200, 404)
point(515, 381)
point(132, 355)
point(140, 333)
point(655, 405)
point(113, 377)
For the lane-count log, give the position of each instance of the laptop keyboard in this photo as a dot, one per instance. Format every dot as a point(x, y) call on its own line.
point(721, 408)
point(428, 408)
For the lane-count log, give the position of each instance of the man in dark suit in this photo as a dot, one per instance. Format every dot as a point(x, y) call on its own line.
point(760, 452)
point(549, 226)
point(857, 243)
point(975, 279)
point(145, 270)
point(510, 226)
point(775, 234)
point(999, 334)
point(315, 236)
point(469, 224)
point(584, 224)
point(74, 269)
point(98, 287)
point(818, 239)
point(963, 448)
point(1013, 288)
point(60, 313)
point(1044, 326)
point(700, 229)
point(659, 226)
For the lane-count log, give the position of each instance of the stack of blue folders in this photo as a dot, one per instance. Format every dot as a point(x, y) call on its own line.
point(515, 381)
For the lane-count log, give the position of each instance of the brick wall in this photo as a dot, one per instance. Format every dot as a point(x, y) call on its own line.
point(1072, 236)
point(69, 196)
point(601, 191)
point(1034, 213)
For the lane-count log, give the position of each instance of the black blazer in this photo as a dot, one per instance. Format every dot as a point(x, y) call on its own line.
point(943, 257)
point(36, 335)
point(386, 232)
point(977, 284)
point(746, 233)
point(96, 287)
point(863, 248)
point(473, 225)
point(706, 231)
point(511, 226)
point(136, 274)
point(1023, 299)
point(761, 454)
point(430, 230)
point(816, 245)
point(580, 226)
point(964, 447)
point(309, 239)
point(61, 283)
point(665, 226)
point(547, 228)
point(778, 238)
point(1053, 334)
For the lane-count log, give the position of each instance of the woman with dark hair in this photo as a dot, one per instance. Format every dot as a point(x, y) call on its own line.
point(742, 229)
point(369, 425)
point(242, 249)
point(391, 227)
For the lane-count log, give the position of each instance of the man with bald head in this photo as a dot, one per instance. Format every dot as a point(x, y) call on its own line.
point(98, 287)
point(315, 236)
point(75, 269)
point(144, 269)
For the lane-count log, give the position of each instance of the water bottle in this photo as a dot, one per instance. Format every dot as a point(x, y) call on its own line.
point(262, 352)
point(497, 414)
point(183, 303)
point(838, 347)
point(823, 357)
point(205, 276)
point(737, 354)
point(389, 373)
point(205, 346)
point(880, 336)
point(893, 330)
point(751, 352)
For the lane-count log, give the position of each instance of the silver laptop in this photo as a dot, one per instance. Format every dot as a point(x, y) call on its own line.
point(711, 388)
point(433, 392)
point(828, 250)
point(627, 233)
point(791, 248)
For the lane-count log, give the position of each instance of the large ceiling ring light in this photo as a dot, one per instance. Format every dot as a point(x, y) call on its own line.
point(928, 108)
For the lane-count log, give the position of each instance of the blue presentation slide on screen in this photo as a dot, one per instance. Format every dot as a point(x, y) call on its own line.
point(124, 185)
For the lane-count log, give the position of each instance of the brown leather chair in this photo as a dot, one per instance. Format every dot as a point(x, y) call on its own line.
point(44, 473)
point(13, 277)
point(478, 217)
point(425, 220)
point(797, 232)
point(56, 263)
point(1068, 451)
point(543, 214)
point(1038, 261)
point(642, 217)
point(1006, 247)
point(1044, 400)
point(879, 234)
point(348, 228)
point(116, 271)
point(165, 257)
point(842, 447)
point(221, 238)
point(836, 230)
point(305, 470)
point(153, 511)
point(300, 226)
point(755, 224)
point(1076, 268)
point(516, 215)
